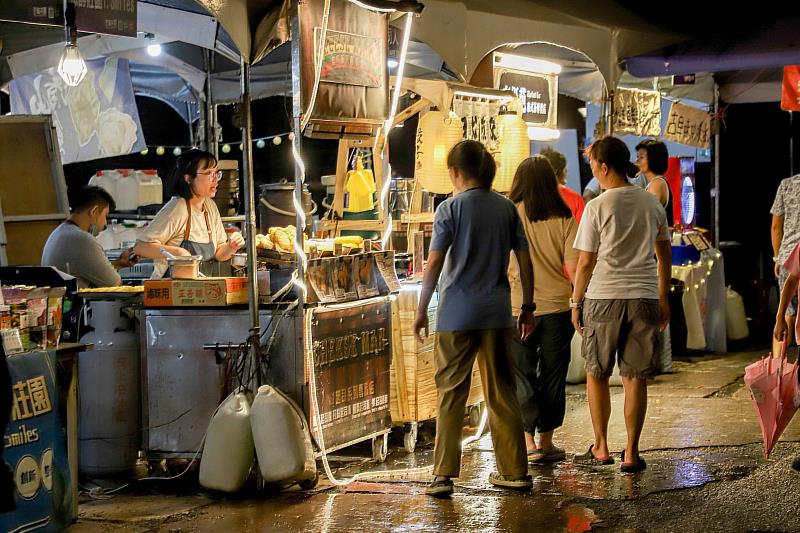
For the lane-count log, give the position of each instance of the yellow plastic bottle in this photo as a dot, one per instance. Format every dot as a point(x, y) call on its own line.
point(360, 188)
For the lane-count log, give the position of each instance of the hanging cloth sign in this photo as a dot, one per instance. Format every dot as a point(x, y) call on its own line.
point(637, 112)
point(96, 119)
point(688, 125)
point(790, 95)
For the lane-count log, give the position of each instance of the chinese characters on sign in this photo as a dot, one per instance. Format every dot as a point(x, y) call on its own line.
point(688, 125)
point(30, 399)
point(352, 370)
point(116, 17)
point(534, 92)
point(637, 112)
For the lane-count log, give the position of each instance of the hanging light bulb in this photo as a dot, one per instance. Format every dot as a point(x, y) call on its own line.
point(226, 148)
point(177, 151)
point(154, 48)
point(261, 143)
point(241, 147)
point(71, 66)
point(145, 151)
point(277, 141)
point(160, 150)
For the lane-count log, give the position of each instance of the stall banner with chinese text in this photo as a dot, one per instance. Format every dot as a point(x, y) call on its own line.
point(533, 91)
point(688, 125)
point(790, 95)
point(116, 17)
point(34, 447)
point(96, 119)
point(352, 354)
point(637, 112)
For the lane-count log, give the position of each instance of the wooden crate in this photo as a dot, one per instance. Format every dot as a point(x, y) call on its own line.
point(412, 390)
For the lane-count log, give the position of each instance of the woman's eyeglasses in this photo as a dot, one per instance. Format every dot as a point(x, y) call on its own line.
point(213, 174)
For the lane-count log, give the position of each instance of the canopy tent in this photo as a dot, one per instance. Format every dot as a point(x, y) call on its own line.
point(773, 45)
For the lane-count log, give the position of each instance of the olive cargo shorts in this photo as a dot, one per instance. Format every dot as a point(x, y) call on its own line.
point(624, 328)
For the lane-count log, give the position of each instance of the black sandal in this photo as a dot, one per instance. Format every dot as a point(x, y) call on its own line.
point(589, 459)
point(632, 468)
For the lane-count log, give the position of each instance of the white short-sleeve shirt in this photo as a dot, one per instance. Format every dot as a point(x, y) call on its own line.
point(622, 226)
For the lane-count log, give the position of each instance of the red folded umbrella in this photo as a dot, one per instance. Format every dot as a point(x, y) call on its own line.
point(774, 388)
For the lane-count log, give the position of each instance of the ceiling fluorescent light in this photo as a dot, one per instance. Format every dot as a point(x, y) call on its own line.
point(526, 64)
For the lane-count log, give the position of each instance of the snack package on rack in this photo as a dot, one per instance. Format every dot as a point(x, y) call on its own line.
point(55, 299)
point(366, 280)
point(319, 277)
point(387, 281)
point(344, 282)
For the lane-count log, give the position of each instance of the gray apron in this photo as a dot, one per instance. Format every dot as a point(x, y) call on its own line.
point(209, 266)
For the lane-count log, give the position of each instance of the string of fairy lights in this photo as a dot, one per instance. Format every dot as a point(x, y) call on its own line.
point(224, 147)
point(708, 262)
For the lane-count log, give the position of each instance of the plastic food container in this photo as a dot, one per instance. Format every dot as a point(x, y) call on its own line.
point(184, 267)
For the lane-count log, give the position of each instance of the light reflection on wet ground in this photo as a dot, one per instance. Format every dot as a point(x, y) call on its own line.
point(695, 443)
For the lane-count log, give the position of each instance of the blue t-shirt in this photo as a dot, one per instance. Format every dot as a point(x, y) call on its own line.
point(477, 229)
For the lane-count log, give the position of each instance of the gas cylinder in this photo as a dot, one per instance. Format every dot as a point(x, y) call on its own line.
point(109, 433)
point(228, 452)
point(281, 437)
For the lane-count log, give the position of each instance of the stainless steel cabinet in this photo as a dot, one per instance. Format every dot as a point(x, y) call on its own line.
point(182, 382)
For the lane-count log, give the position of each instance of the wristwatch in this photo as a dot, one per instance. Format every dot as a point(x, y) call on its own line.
point(528, 307)
point(575, 305)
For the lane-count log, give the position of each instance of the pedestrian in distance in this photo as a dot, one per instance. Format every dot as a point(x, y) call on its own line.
point(474, 233)
point(573, 200)
point(619, 302)
point(542, 361)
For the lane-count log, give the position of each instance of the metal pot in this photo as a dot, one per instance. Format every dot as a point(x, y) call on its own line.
point(184, 267)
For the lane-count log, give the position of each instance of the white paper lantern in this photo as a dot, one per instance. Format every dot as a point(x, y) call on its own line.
point(437, 133)
point(513, 148)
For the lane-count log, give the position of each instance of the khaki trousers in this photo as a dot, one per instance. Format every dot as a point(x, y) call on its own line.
point(454, 358)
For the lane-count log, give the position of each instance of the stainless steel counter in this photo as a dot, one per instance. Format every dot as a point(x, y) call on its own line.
point(183, 382)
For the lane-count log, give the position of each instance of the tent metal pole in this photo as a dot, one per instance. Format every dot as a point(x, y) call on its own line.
point(249, 195)
point(210, 135)
point(301, 386)
point(716, 167)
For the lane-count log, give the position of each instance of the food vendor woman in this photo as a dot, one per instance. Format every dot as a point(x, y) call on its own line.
point(190, 224)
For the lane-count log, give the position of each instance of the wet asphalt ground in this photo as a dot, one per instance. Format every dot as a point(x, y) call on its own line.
point(702, 442)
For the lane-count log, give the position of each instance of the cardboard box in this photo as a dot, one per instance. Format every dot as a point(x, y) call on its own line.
point(206, 292)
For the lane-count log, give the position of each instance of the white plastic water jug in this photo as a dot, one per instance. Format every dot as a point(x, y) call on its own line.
point(150, 188)
point(281, 437)
point(577, 364)
point(735, 317)
point(107, 180)
point(228, 452)
point(127, 198)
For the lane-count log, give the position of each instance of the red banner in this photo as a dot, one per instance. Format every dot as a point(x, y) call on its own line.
point(790, 95)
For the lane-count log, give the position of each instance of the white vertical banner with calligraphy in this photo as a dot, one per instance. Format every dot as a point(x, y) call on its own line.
point(688, 125)
point(637, 112)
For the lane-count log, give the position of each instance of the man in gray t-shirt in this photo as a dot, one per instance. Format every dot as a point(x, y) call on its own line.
point(73, 248)
point(474, 234)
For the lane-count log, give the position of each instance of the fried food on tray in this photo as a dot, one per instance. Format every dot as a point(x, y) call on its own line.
point(121, 289)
